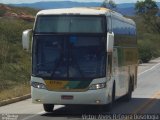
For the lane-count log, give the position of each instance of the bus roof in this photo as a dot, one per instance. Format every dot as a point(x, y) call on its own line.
point(78, 10)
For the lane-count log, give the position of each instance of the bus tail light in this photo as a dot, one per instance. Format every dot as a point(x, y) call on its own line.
point(97, 86)
point(38, 85)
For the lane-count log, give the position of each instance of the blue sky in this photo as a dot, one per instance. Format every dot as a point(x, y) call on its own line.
point(32, 1)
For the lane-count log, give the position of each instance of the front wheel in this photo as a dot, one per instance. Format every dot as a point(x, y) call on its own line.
point(48, 107)
point(110, 105)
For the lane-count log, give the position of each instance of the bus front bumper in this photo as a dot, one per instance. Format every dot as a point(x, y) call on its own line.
point(90, 97)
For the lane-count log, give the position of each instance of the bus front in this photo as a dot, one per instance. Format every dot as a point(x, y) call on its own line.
point(69, 60)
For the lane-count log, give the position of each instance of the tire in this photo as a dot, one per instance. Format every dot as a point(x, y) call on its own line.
point(110, 105)
point(128, 96)
point(48, 107)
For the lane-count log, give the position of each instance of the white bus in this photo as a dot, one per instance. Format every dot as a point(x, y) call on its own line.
point(84, 56)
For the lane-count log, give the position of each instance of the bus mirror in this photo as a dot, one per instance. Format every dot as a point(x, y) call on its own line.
point(26, 39)
point(110, 42)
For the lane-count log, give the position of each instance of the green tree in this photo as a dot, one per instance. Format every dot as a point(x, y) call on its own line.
point(148, 10)
point(109, 4)
point(146, 7)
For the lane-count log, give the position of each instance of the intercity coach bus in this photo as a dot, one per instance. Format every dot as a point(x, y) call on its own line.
point(82, 56)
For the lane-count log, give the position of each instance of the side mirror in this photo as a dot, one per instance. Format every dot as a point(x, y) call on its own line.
point(110, 42)
point(26, 39)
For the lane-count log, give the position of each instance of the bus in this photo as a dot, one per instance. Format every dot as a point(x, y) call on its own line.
point(82, 56)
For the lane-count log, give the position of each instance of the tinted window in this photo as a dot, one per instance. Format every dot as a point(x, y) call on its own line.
point(70, 24)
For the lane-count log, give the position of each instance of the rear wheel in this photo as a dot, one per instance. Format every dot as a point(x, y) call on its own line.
point(128, 96)
point(48, 107)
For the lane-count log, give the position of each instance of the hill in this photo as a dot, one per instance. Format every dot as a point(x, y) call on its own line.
point(8, 11)
point(58, 4)
point(125, 8)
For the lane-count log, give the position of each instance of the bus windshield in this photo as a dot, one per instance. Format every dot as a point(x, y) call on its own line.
point(70, 24)
point(69, 56)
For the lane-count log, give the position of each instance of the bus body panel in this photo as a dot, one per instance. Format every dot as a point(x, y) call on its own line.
point(122, 73)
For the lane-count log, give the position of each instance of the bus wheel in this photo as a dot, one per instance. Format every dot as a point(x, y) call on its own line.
point(48, 107)
point(128, 96)
point(110, 105)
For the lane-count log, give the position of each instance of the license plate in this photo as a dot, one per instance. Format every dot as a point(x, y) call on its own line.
point(67, 97)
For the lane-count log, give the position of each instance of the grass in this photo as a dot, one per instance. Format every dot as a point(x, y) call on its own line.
point(15, 91)
point(15, 63)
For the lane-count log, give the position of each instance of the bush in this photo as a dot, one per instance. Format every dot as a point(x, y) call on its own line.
point(2, 12)
point(145, 52)
point(148, 40)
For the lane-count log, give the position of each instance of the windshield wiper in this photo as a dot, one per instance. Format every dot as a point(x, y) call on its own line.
point(43, 74)
point(40, 64)
point(57, 65)
point(77, 65)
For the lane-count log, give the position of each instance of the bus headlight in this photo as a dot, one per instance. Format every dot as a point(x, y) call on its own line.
point(38, 85)
point(97, 86)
